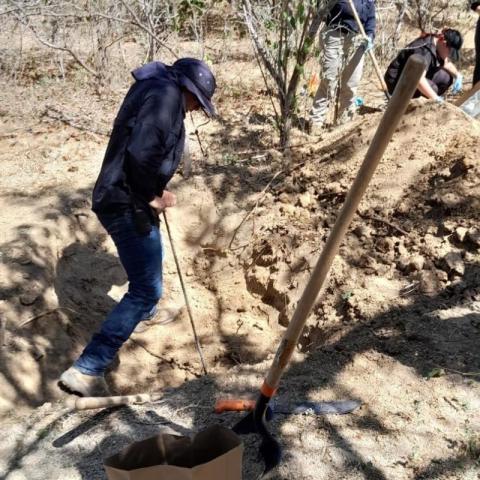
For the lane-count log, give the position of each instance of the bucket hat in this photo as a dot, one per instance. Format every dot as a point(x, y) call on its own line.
point(198, 79)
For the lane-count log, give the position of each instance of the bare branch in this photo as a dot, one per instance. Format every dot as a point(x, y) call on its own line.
point(55, 47)
point(139, 24)
point(264, 55)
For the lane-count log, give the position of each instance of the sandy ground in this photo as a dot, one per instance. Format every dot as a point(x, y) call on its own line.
point(397, 327)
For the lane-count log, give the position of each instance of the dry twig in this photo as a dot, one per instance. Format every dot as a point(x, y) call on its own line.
point(44, 314)
point(386, 222)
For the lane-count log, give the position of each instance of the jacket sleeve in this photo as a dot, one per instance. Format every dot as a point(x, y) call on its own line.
point(151, 140)
point(370, 21)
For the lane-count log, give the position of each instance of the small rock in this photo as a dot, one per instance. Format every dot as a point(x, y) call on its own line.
point(430, 282)
point(442, 276)
point(451, 200)
point(470, 257)
point(445, 173)
point(448, 227)
point(455, 263)
point(305, 200)
point(385, 244)
point(267, 199)
point(284, 198)
point(362, 231)
point(403, 208)
point(334, 187)
point(212, 286)
point(29, 297)
point(366, 261)
point(79, 203)
point(257, 280)
point(288, 208)
point(460, 167)
point(461, 233)
point(473, 235)
point(289, 186)
point(402, 251)
point(416, 263)
point(402, 263)
point(303, 215)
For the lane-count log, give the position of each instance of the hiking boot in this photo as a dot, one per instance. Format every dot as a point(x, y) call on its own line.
point(77, 383)
point(162, 316)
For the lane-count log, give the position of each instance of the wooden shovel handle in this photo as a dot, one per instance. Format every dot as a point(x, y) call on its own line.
point(370, 52)
point(233, 405)
point(395, 110)
point(87, 403)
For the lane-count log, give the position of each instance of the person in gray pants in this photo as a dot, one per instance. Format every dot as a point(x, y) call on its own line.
point(343, 50)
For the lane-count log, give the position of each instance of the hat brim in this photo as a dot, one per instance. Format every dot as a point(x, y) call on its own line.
point(205, 103)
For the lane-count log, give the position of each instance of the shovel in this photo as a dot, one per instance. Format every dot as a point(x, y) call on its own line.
point(256, 420)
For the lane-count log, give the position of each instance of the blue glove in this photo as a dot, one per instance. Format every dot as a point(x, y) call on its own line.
point(358, 101)
point(368, 44)
point(440, 100)
point(458, 84)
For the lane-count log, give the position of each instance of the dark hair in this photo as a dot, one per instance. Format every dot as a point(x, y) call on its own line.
point(453, 39)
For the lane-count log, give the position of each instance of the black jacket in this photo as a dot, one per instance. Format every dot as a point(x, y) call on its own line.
point(145, 146)
point(425, 48)
point(341, 15)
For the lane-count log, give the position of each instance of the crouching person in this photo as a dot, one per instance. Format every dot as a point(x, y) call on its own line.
point(436, 51)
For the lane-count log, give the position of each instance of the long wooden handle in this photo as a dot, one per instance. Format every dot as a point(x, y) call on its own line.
point(396, 108)
point(185, 296)
point(370, 52)
point(87, 403)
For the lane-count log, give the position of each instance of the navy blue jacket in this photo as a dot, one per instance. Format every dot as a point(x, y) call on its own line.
point(146, 143)
point(342, 16)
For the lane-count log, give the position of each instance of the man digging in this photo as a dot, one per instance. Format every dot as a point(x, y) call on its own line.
point(143, 153)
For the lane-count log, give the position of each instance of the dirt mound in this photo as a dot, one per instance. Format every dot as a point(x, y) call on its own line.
point(416, 229)
point(397, 328)
point(247, 248)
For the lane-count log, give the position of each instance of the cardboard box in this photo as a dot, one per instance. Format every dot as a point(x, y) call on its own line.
point(213, 454)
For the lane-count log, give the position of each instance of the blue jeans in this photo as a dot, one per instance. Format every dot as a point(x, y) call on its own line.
point(141, 256)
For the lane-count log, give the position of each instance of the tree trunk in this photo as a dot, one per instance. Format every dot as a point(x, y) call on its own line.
point(285, 124)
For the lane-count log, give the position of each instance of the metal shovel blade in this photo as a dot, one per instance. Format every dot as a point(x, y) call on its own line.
point(256, 422)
